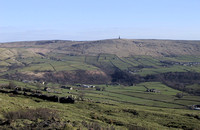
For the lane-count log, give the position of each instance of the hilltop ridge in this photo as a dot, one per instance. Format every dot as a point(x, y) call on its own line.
point(119, 47)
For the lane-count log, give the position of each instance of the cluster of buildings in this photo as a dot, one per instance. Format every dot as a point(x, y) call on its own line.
point(195, 107)
point(49, 90)
point(86, 86)
point(66, 87)
point(35, 81)
point(180, 63)
point(153, 90)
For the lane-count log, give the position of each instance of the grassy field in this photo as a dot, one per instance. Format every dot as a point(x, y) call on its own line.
point(118, 107)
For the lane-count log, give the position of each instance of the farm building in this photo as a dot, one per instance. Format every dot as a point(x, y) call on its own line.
point(66, 87)
point(196, 107)
point(46, 89)
point(86, 86)
point(153, 90)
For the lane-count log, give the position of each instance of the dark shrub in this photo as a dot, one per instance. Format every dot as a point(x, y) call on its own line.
point(11, 85)
point(179, 95)
point(31, 114)
point(66, 100)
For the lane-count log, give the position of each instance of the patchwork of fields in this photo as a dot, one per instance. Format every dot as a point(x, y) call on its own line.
point(23, 60)
point(148, 103)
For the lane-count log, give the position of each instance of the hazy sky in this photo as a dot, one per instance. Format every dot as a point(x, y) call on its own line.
point(99, 19)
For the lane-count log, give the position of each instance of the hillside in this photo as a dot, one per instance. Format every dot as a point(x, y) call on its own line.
point(120, 47)
point(96, 62)
point(112, 84)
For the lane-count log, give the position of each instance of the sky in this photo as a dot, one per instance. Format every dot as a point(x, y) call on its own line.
point(24, 20)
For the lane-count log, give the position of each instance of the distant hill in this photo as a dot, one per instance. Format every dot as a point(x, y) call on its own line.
point(120, 47)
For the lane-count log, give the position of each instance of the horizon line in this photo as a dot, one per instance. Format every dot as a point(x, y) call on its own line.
point(100, 40)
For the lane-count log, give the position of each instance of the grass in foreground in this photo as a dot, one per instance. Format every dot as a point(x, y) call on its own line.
point(116, 107)
point(118, 115)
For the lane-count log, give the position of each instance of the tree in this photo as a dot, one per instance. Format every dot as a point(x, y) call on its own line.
point(179, 95)
point(98, 88)
point(11, 85)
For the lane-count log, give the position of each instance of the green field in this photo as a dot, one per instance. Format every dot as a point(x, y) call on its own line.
point(119, 107)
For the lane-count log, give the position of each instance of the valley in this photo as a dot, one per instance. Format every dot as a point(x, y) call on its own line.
point(138, 84)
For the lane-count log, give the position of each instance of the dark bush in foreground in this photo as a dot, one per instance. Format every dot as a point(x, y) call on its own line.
point(28, 119)
point(31, 114)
